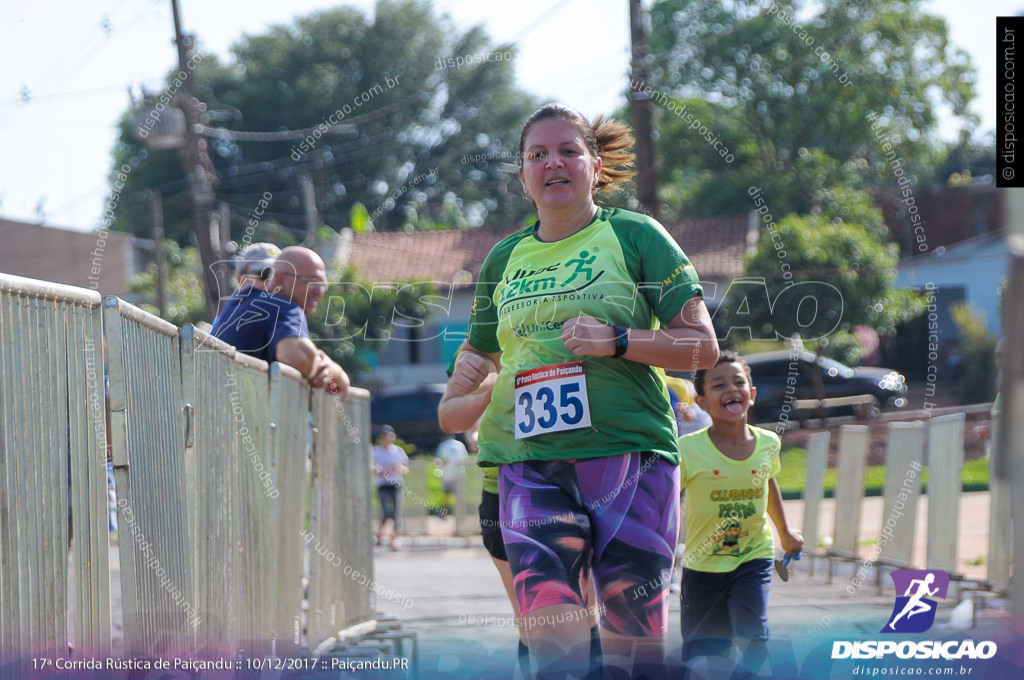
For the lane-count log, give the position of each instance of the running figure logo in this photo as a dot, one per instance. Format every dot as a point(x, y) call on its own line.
point(913, 612)
point(581, 263)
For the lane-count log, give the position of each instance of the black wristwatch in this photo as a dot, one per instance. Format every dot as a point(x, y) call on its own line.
point(621, 341)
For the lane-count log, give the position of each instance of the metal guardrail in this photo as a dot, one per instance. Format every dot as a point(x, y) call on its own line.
point(945, 467)
point(214, 472)
point(1000, 546)
point(158, 593)
point(215, 419)
point(247, 470)
point(905, 464)
point(211, 453)
point(285, 494)
point(52, 462)
point(341, 585)
point(904, 459)
point(853, 449)
point(814, 491)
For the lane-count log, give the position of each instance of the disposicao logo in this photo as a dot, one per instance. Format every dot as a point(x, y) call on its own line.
point(913, 611)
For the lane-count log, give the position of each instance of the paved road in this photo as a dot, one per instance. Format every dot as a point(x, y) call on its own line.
point(453, 590)
point(453, 599)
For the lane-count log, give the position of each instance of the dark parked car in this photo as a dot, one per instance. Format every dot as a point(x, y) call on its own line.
point(774, 373)
point(412, 411)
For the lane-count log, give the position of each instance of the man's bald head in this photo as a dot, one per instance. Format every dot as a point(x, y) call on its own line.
point(300, 276)
point(302, 259)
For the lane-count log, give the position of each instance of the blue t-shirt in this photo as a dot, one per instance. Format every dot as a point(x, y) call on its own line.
point(254, 321)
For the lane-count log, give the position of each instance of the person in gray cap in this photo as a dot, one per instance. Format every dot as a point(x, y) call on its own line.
point(255, 264)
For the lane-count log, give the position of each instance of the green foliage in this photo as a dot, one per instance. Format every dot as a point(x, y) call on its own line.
point(402, 118)
point(405, 446)
point(357, 316)
point(780, 91)
point(840, 256)
point(185, 302)
point(977, 351)
point(966, 161)
point(360, 219)
point(844, 347)
point(745, 347)
point(694, 178)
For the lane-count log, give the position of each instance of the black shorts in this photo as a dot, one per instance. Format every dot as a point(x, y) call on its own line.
point(388, 494)
point(490, 526)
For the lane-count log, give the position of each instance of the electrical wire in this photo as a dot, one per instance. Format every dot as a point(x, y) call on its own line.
point(10, 107)
point(343, 153)
point(66, 95)
point(539, 21)
point(294, 135)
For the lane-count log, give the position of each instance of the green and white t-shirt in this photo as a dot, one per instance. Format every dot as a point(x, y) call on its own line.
point(727, 501)
point(623, 269)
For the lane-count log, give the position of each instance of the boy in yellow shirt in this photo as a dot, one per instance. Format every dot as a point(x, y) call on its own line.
point(728, 470)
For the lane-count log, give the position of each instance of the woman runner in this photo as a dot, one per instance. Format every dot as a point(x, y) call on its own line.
point(581, 310)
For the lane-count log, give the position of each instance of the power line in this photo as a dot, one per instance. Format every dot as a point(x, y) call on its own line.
point(54, 69)
point(343, 153)
point(347, 153)
point(49, 73)
point(538, 21)
point(64, 95)
point(295, 135)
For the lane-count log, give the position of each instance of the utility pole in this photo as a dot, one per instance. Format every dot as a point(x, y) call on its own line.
point(309, 203)
point(222, 222)
point(200, 191)
point(641, 110)
point(157, 210)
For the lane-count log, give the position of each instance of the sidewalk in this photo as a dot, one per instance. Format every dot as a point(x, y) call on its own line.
point(972, 537)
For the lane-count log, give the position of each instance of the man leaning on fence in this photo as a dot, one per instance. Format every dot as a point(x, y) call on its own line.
point(269, 322)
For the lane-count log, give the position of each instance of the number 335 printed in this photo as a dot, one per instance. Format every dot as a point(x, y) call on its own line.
point(552, 405)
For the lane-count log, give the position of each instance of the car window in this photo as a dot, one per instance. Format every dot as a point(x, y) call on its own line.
point(420, 406)
point(767, 370)
point(833, 369)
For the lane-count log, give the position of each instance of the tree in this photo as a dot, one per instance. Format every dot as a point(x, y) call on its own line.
point(185, 303)
point(966, 161)
point(789, 82)
point(357, 316)
point(823, 275)
point(403, 111)
point(977, 352)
